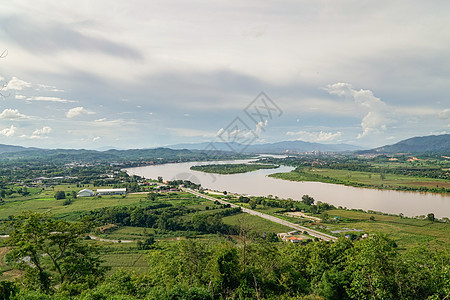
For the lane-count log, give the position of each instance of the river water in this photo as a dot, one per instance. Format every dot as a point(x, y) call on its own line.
point(258, 184)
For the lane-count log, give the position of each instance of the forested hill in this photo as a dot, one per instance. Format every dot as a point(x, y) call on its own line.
point(422, 144)
point(157, 155)
point(10, 148)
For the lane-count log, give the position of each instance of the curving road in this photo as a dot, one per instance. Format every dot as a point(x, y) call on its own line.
point(314, 233)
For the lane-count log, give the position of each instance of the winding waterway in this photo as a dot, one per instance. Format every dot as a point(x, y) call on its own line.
point(257, 183)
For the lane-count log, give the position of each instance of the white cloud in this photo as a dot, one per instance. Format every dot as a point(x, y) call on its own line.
point(48, 88)
point(76, 111)
point(44, 130)
point(445, 114)
point(44, 86)
point(260, 127)
point(20, 97)
point(8, 131)
point(438, 132)
point(371, 123)
point(50, 99)
point(96, 138)
point(377, 115)
point(104, 122)
point(340, 89)
point(17, 84)
point(12, 114)
point(320, 136)
point(39, 133)
point(243, 135)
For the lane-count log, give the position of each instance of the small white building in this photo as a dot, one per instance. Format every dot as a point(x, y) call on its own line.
point(121, 191)
point(85, 193)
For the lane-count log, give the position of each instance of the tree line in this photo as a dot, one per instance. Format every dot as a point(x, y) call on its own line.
point(166, 217)
point(59, 264)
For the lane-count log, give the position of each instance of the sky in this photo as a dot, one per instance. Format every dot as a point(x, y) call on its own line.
point(144, 74)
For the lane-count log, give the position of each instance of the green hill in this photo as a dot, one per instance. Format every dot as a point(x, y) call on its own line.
point(431, 143)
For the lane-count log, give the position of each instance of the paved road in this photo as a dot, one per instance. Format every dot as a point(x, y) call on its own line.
point(318, 234)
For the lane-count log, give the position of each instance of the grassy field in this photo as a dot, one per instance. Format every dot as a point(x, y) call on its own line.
point(128, 233)
point(256, 224)
point(44, 202)
point(72, 211)
point(124, 256)
point(365, 179)
point(406, 232)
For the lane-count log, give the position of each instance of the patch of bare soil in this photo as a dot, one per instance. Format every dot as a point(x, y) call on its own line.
point(8, 274)
point(432, 184)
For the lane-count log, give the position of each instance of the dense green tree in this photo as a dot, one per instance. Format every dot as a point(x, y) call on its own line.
point(366, 269)
point(308, 200)
point(371, 263)
point(227, 264)
point(253, 203)
point(60, 195)
point(423, 274)
point(7, 290)
point(146, 244)
point(244, 199)
point(52, 253)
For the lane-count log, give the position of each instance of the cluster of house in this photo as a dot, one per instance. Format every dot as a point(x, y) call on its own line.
point(101, 192)
point(292, 236)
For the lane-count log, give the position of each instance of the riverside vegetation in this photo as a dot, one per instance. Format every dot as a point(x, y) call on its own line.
point(232, 168)
point(426, 173)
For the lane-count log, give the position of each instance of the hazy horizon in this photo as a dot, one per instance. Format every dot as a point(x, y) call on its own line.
point(110, 147)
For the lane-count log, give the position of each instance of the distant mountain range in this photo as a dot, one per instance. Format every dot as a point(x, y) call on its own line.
point(280, 147)
point(10, 153)
point(67, 155)
point(10, 148)
point(432, 143)
point(421, 144)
